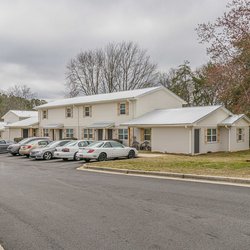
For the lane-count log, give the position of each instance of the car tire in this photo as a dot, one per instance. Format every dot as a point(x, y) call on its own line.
point(14, 154)
point(86, 160)
point(47, 155)
point(102, 157)
point(131, 154)
point(76, 158)
point(28, 156)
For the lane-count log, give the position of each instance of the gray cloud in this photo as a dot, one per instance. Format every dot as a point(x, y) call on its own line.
point(38, 38)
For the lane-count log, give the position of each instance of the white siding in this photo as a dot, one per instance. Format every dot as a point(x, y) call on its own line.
point(157, 100)
point(171, 140)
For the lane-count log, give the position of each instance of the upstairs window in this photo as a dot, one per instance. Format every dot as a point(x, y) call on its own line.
point(123, 108)
point(69, 112)
point(240, 135)
point(211, 135)
point(87, 111)
point(45, 114)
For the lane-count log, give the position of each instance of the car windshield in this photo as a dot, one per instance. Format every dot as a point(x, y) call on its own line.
point(97, 144)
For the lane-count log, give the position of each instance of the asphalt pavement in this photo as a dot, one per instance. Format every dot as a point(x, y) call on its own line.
point(51, 205)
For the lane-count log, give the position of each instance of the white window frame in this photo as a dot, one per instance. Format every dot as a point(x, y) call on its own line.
point(45, 114)
point(46, 132)
point(240, 134)
point(69, 132)
point(67, 113)
point(122, 108)
point(123, 134)
point(146, 135)
point(87, 113)
point(210, 137)
point(88, 133)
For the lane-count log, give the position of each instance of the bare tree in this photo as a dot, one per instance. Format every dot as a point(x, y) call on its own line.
point(119, 66)
point(22, 91)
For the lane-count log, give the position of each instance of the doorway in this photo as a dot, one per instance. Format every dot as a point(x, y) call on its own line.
point(25, 133)
point(197, 141)
point(110, 134)
point(100, 134)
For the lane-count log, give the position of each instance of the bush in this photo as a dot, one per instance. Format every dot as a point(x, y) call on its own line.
point(18, 139)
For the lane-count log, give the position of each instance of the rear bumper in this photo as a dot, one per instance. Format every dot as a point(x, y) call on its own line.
point(87, 156)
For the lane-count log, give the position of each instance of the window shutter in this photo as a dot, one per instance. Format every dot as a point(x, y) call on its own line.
point(118, 108)
point(93, 132)
point(205, 135)
point(90, 111)
point(218, 134)
point(127, 108)
point(142, 134)
point(64, 133)
point(243, 134)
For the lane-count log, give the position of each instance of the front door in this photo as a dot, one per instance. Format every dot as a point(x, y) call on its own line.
point(197, 141)
point(25, 133)
point(60, 134)
point(110, 134)
point(100, 134)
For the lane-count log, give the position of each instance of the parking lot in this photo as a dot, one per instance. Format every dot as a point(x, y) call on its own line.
point(50, 205)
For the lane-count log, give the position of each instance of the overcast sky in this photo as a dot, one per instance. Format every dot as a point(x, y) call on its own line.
point(38, 38)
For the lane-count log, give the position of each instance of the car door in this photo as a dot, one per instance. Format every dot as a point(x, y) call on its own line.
point(118, 149)
point(108, 149)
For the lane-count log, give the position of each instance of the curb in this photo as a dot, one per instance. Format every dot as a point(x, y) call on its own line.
point(172, 175)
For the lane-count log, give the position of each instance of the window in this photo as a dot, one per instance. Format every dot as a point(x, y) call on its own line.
point(122, 134)
point(107, 145)
point(69, 133)
point(82, 144)
point(69, 112)
point(45, 114)
point(240, 134)
point(87, 111)
point(211, 135)
point(88, 133)
point(122, 108)
point(46, 132)
point(147, 134)
point(43, 143)
point(116, 144)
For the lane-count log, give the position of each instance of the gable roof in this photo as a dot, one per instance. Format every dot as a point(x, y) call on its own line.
point(29, 122)
point(178, 116)
point(122, 95)
point(22, 113)
point(233, 119)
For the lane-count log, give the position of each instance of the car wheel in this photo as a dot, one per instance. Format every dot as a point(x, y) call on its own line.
point(102, 157)
point(27, 156)
point(47, 155)
point(14, 154)
point(131, 154)
point(76, 158)
point(86, 160)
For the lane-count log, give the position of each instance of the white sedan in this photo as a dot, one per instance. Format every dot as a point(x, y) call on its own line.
point(103, 150)
point(69, 151)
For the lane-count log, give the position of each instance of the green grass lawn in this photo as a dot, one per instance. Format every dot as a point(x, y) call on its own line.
point(220, 164)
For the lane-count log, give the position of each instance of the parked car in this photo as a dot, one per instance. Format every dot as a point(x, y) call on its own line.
point(4, 144)
point(69, 151)
point(14, 148)
point(26, 148)
point(103, 150)
point(47, 153)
